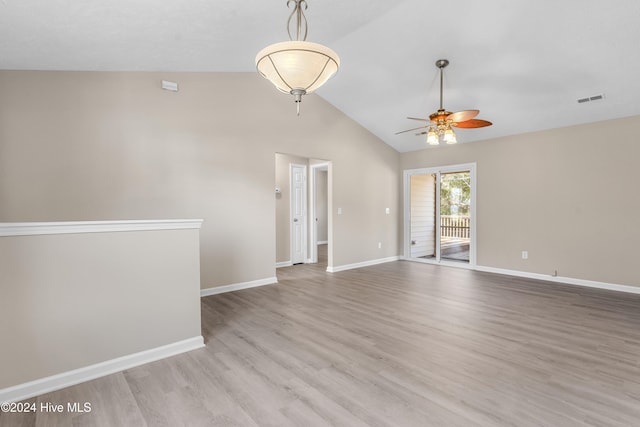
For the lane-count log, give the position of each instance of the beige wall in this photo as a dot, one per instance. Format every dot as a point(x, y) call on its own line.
point(68, 301)
point(568, 196)
point(87, 146)
point(98, 145)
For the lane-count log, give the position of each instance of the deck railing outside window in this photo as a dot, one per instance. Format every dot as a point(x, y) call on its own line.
point(454, 226)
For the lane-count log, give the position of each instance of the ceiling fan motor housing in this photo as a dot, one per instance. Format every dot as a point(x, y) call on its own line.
point(439, 115)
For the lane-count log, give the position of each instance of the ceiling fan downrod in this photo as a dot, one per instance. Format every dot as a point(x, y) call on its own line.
point(441, 63)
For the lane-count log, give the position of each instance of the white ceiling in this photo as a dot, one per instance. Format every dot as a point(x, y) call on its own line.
point(522, 64)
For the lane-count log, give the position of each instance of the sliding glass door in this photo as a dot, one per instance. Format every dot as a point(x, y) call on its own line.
point(439, 214)
point(455, 218)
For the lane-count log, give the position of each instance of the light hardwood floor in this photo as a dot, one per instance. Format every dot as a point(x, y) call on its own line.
point(398, 344)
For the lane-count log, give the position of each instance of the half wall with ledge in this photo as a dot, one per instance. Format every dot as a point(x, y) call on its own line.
point(80, 300)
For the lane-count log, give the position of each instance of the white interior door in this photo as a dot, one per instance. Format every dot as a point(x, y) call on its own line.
point(298, 213)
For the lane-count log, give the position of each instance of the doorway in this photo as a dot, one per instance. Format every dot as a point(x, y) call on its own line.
point(440, 215)
point(319, 210)
point(303, 223)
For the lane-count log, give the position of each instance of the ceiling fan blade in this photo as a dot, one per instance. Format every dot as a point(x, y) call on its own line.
point(421, 133)
point(463, 116)
point(417, 118)
point(473, 123)
point(409, 130)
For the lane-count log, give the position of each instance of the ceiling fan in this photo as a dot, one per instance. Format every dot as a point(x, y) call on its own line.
point(439, 123)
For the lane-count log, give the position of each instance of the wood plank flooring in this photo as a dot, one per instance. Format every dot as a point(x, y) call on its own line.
point(398, 344)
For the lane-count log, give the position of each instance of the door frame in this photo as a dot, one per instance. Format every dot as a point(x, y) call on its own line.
point(313, 258)
point(305, 214)
point(407, 173)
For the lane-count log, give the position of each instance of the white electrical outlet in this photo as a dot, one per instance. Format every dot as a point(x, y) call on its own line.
point(339, 211)
point(379, 245)
point(525, 255)
point(387, 211)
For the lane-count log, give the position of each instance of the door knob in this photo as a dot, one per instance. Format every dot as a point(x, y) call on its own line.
point(295, 219)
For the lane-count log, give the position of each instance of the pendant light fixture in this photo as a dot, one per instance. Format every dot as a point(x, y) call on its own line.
point(297, 67)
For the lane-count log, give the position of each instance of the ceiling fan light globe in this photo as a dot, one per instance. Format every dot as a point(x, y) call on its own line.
point(432, 138)
point(449, 136)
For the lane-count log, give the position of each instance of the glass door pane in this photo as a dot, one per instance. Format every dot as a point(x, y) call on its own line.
point(455, 216)
point(423, 235)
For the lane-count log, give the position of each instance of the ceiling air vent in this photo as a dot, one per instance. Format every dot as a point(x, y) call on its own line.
point(598, 97)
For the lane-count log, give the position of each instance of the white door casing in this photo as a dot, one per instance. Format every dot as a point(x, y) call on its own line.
point(313, 211)
point(298, 174)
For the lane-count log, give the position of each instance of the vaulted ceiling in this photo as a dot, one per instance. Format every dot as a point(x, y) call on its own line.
point(523, 64)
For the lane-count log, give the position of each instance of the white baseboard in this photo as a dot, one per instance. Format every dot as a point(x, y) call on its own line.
point(284, 264)
point(238, 286)
point(323, 242)
point(361, 264)
point(561, 279)
point(66, 379)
